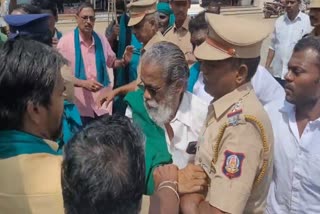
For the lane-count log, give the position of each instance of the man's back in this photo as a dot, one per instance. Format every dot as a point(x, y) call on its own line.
point(30, 183)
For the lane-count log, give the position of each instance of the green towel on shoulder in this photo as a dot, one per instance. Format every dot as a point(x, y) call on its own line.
point(156, 151)
point(14, 143)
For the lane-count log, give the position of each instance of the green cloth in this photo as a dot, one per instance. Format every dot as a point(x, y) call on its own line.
point(71, 122)
point(13, 143)
point(127, 74)
point(3, 38)
point(156, 151)
point(164, 7)
point(59, 34)
point(194, 75)
point(102, 74)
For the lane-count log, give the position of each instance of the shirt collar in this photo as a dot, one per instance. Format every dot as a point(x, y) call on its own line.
point(183, 113)
point(53, 145)
point(185, 24)
point(82, 41)
point(290, 110)
point(287, 108)
point(298, 17)
point(224, 103)
point(156, 38)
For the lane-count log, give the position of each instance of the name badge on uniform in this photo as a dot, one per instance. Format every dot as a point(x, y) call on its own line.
point(234, 117)
point(232, 165)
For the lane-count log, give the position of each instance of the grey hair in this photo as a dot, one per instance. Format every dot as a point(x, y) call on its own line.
point(171, 59)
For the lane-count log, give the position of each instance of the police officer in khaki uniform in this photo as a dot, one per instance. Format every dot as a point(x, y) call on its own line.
point(144, 23)
point(143, 13)
point(314, 15)
point(179, 33)
point(236, 148)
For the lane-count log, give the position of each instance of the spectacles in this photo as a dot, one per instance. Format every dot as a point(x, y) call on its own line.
point(86, 18)
point(152, 91)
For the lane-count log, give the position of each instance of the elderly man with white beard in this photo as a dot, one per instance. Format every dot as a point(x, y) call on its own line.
point(169, 116)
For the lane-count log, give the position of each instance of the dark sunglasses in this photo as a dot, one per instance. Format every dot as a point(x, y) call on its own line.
point(152, 91)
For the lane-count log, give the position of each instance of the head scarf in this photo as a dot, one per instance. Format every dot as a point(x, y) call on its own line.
point(164, 7)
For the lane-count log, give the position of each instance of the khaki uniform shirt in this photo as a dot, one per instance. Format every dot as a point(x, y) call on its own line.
point(181, 37)
point(31, 183)
point(155, 39)
point(233, 157)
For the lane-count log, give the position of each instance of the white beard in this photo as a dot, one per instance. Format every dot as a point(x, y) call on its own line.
point(159, 113)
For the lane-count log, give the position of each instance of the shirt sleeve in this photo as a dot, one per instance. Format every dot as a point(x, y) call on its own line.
point(273, 39)
point(238, 163)
point(108, 52)
point(110, 56)
point(266, 87)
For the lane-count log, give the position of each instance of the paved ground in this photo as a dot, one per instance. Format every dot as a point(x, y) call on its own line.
point(100, 27)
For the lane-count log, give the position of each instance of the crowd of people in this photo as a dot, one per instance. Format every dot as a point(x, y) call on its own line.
point(165, 113)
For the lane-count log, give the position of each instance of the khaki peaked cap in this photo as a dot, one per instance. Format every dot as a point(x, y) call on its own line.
point(230, 36)
point(139, 9)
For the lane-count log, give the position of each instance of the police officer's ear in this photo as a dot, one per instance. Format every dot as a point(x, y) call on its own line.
point(242, 74)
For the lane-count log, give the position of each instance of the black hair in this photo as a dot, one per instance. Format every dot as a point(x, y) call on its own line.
point(309, 42)
point(103, 169)
point(50, 5)
point(251, 63)
point(45, 36)
point(28, 8)
point(198, 23)
point(28, 73)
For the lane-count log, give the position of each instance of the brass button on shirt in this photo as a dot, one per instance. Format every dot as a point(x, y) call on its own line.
point(235, 151)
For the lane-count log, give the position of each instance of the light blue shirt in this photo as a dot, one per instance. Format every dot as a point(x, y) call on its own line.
point(285, 36)
point(295, 187)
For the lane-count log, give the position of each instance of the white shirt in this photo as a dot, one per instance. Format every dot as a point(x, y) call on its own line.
point(198, 90)
point(265, 86)
point(295, 187)
point(267, 89)
point(285, 35)
point(186, 127)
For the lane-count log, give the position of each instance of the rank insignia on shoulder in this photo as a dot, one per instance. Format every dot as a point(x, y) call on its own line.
point(232, 165)
point(234, 117)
